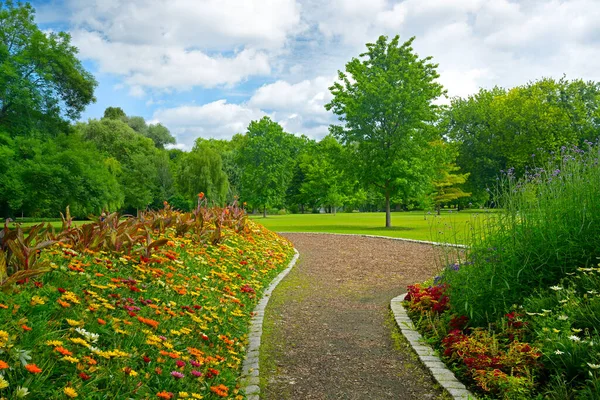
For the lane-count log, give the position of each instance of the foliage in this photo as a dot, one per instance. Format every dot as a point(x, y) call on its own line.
point(385, 101)
point(127, 322)
point(566, 321)
point(201, 170)
point(266, 158)
point(548, 228)
point(41, 80)
point(499, 129)
point(446, 182)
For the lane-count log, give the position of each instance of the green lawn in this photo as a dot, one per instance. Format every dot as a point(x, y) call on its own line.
point(450, 227)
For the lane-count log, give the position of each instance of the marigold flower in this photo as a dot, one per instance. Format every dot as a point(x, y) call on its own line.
point(25, 327)
point(3, 365)
point(201, 195)
point(34, 369)
point(101, 321)
point(164, 395)
point(70, 392)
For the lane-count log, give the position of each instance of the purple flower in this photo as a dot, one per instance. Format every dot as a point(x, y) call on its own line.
point(177, 375)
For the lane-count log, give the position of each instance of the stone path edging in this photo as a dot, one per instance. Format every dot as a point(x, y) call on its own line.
point(462, 246)
point(250, 373)
point(438, 369)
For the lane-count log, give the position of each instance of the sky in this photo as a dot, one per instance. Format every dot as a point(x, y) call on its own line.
point(206, 68)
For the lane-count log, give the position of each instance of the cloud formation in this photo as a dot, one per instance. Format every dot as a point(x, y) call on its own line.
point(280, 56)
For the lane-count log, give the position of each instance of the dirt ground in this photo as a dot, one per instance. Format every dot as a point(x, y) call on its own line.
point(328, 332)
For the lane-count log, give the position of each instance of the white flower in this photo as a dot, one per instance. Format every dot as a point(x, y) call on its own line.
point(563, 317)
point(22, 392)
point(593, 366)
point(575, 338)
point(556, 288)
point(558, 352)
point(90, 337)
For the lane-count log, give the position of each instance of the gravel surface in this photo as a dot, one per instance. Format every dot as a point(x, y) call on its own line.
point(328, 332)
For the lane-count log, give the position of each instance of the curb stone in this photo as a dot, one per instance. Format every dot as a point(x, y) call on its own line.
point(462, 246)
point(436, 367)
point(250, 371)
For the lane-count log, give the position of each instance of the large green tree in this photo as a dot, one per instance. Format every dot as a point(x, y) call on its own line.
point(138, 160)
point(42, 82)
point(499, 129)
point(266, 158)
point(384, 101)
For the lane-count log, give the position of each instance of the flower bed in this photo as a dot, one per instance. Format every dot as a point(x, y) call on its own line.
point(168, 322)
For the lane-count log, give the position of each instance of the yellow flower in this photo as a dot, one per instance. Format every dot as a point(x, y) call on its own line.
point(183, 395)
point(70, 359)
point(73, 322)
point(35, 300)
point(3, 338)
point(70, 296)
point(54, 343)
point(3, 383)
point(80, 341)
point(70, 392)
point(197, 396)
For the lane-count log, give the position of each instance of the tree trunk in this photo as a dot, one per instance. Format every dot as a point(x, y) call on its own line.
point(334, 209)
point(388, 215)
point(265, 211)
point(438, 209)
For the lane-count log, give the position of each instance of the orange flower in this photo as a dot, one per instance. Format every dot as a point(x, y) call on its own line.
point(63, 351)
point(34, 369)
point(164, 395)
point(201, 195)
point(63, 304)
point(148, 321)
point(221, 390)
point(25, 327)
point(3, 365)
point(101, 321)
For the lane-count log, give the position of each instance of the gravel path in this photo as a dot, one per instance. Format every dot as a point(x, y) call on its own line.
point(328, 332)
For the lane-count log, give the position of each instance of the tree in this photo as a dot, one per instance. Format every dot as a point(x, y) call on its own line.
point(138, 160)
point(446, 181)
point(41, 80)
point(499, 129)
point(201, 170)
point(115, 113)
point(160, 135)
point(266, 158)
point(325, 182)
point(385, 102)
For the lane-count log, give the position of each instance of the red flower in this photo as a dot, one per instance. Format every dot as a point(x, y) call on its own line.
point(84, 376)
point(61, 290)
point(147, 359)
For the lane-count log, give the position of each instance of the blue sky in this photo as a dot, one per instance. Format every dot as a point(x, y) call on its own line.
point(208, 67)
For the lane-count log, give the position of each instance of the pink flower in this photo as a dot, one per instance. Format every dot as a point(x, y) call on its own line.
point(195, 363)
point(196, 373)
point(177, 375)
point(180, 364)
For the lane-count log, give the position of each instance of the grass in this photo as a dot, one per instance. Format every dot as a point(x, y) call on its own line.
point(453, 227)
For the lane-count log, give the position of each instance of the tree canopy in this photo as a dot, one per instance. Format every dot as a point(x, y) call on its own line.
point(42, 82)
point(384, 101)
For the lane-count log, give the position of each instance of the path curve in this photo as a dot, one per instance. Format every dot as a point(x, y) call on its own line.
point(328, 333)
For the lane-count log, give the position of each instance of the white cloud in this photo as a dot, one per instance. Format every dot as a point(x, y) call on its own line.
point(218, 119)
point(181, 44)
point(169, 67)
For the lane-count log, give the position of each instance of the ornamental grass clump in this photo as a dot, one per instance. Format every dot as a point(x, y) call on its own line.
point(549, 226)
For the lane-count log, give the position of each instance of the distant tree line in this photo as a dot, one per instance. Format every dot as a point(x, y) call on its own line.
point(395, 147)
